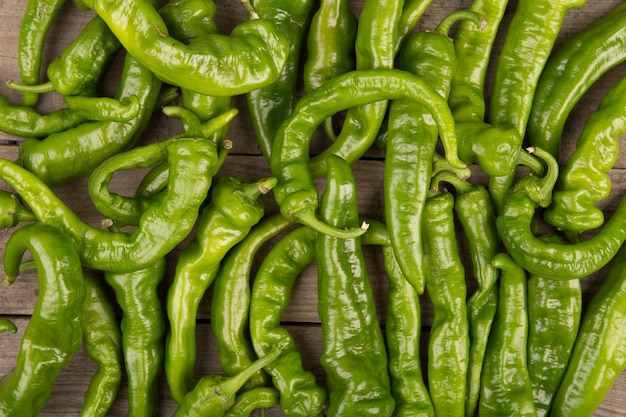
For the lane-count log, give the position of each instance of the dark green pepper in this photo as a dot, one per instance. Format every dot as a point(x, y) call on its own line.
point(54, 332)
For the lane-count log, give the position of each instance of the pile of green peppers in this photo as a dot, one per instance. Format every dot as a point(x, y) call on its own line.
point(469, 162)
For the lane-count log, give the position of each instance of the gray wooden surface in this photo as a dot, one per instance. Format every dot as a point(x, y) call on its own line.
point(17, 301)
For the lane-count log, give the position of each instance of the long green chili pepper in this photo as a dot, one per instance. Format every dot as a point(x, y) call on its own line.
point(269, 105)
point(215, 394)
point(330, 47)
point(104, 108)
point(163, 224)
point(38, 18)
point(354, 355)
point(554, 260)
point(528, 44)
point(411, 142)
point(570, 72)
point(81, 64)
point(54, 332)
point(255, 398)
point(102, 341)
point(584, 181)
point(403, 325)
point(506, 388)
point(143, 334)
point(448, 346)
point(597, 358)
point(295, 192)
point(252, 56)
point(554, 311)
point(25, 121)
point(128, 210)
point(234, 208)
point(231, 300)
point(476, 214)
point(375, 48)
point(300, 395)
point(62, 157)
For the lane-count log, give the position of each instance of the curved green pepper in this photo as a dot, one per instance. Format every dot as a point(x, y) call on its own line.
point(26, 389)
point(251, 57)
point(234, 208)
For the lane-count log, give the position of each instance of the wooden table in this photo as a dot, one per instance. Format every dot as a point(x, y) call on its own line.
point(17, 301)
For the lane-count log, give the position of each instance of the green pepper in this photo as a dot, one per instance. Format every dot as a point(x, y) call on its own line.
point(234, 208)
point(81, 64)
point(13, 212)
point(230, 304)
point(412, 11)
point(528, 44)
point(475, 213)
point(295, 192)
point(255, 398)
point(597, 358)
point(269, 105)
point(38, 18)
point(102, 341)
point(143, 334)
point(584, 180)
point(548, 259)
point(375, 48)
point(554, 311)
point(64, 156)
point(570, 72)
point(403, 325)
point(27, 122)
point(215, 394)
point(449, 342)
point(506, 388)
point(251, 57)
point(354, 356)
point(54, 332)
point(157, 233)
point(411, 142)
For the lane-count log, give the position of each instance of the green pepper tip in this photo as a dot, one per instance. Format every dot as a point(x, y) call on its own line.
point(267, 184)
point(308, 218)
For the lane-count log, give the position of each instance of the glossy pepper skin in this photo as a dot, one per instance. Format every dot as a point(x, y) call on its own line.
point(295, 192)
point(81, 64)
point(475, 212)
point(235, 207)
point(506, 388)
point(252, 56)
point(269, 105)
point(375, 48)
point(554, 311)
point(411, 142)
point(528, 44)
point(584, 180)
point(62, 157)
point(570, 72)
point(143, 334)
point(354, 356)
point(13, 212)
point(448, 345)
point(412, 11)
point(300, 395)
point(36, 22)
point(102, 341)
point(548, 259)
point(598, 355)
point(250, 400)
point(26, 389)
point(156, 234)
point(25, 121)
point(403, 325)
point(230, 305)
point(215, 394)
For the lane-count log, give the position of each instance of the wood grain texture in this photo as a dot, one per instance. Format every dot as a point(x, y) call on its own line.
point(17, 301)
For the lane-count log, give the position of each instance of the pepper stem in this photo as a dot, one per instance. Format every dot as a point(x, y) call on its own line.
point(211, 126)
point(447, 22)
point(547, 182)
point(250, 9)
point(526, 159)
point(231, 385)
point(441, 164)
point(7, 325)
point(39, 88)
point(459, 184)
point(309, 219)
